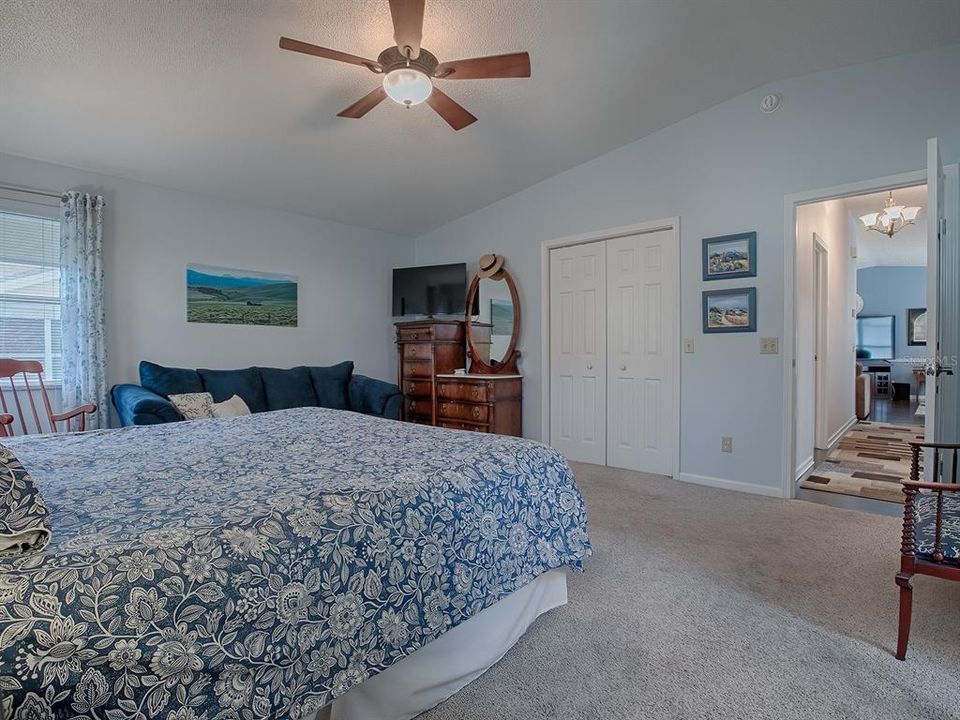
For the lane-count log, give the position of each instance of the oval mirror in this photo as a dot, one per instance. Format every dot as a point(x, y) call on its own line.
point(493, 319)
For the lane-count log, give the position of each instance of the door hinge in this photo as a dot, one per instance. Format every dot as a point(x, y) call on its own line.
point(943, 228)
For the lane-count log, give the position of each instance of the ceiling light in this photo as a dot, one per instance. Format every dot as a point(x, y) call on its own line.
point(892, 219)
point(407, 86)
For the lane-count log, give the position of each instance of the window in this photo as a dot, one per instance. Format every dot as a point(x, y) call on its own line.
point(30, 291)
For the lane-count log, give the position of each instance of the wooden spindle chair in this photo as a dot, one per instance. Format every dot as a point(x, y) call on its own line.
point(21, 392)
point(930, 544)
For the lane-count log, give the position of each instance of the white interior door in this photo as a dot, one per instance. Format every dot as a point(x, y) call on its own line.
point(935, 223)
point(578, 352)
point(641, 347)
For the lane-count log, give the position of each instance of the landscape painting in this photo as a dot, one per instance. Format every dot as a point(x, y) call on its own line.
point(733, 310)
point(240, 297)
point(730, 256)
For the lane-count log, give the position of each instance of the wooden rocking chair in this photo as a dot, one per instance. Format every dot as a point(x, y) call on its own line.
point(19, 373)
point(931, 533)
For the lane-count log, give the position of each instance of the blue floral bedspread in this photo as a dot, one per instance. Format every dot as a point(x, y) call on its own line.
point(258, 567)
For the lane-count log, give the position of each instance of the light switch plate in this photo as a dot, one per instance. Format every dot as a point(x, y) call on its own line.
point(688, 345)
point(726, 444)
point(769, 346)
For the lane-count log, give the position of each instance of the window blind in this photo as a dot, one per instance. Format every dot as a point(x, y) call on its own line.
point(30, 291)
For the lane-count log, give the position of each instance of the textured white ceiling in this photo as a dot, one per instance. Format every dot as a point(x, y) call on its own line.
point(908, 248)
point(195, 94)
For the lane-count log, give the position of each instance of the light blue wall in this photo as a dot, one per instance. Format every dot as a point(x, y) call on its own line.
point(722, 171)
point(890, 291)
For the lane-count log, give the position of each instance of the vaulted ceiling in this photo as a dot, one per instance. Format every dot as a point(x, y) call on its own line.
point(197, 96)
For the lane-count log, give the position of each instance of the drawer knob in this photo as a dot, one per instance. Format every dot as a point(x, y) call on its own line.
point(476, 412)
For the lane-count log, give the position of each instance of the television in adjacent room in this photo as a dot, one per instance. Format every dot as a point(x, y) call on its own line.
point(430, 290)
point(875, 335)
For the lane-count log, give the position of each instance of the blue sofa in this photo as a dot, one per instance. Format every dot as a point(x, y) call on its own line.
point(261, 388)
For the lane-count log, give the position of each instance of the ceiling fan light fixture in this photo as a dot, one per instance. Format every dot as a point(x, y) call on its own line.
point(407, 86)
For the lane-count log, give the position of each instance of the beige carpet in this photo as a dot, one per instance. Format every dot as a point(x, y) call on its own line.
point(869, 461)
point(703, 603)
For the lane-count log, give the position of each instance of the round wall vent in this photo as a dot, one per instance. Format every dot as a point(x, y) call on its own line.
point(770, 103)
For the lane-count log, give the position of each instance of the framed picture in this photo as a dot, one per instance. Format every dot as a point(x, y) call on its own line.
point(240, 297)
point(917, 326)
point(730, 311)
point(730, 256)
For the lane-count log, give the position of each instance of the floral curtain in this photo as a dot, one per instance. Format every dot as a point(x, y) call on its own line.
point(81, 304)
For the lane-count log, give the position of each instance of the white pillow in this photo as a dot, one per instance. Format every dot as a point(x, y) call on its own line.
point(194, 406)
point(233, 407)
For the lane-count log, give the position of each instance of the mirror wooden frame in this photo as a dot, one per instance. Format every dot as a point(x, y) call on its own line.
point(508, 365)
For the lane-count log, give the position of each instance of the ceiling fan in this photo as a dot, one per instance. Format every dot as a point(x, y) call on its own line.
point(409, 70)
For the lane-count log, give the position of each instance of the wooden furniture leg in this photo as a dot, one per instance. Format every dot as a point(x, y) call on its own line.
point(906, 611)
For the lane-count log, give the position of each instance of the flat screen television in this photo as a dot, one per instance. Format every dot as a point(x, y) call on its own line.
point(430, 290)
point(875, 337)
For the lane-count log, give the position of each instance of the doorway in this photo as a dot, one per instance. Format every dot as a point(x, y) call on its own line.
point(867, 377)
point(610, 360)
point(821, 324)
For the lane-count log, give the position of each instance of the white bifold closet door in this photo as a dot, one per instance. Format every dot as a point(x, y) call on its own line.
point(641, 317)
point(578, 365)
point(612, 342)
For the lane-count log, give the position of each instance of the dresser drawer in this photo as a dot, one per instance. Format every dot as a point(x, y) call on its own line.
point(463, 411)
point(456, 425)
point(452, 390)
point(417, 351)
point(418, 334)
point(418, 388)
point(419, 408)
point(417, 369)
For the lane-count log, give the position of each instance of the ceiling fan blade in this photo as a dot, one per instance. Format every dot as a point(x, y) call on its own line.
point(365, 104)
point(455, 114)
point(407, 25)
point(514, 65)
point(322, 52)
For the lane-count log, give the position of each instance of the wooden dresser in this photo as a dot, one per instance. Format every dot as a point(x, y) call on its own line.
point(426, 348)
point(483, 403)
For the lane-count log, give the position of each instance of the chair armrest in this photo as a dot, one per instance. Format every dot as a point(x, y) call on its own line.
point(5, 421)
point(936, 487)
point(374, 397)
point(138, 406)
point(67, 416)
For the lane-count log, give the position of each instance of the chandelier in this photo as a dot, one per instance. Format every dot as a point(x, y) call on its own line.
point(892, 219)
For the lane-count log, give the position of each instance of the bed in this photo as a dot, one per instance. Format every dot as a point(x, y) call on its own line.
point(263, 566)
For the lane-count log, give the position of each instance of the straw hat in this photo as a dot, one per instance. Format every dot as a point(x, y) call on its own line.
point(490, 265)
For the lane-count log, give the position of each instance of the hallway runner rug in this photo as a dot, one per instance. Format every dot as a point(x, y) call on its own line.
point(869, 461)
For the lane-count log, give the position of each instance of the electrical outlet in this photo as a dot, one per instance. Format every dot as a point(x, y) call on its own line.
point(769, 346)
point(688, 345)
point(726, 444)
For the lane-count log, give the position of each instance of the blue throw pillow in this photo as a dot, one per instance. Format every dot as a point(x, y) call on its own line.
point(224, 384)
point(167, 381)
point(332, 385)
point(287, 388)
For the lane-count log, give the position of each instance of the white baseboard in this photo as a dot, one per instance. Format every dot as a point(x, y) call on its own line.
point(731, 485)
point(835, 438)
point(803, 468)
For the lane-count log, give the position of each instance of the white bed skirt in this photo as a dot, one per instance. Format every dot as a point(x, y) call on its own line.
point(438, 670)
